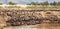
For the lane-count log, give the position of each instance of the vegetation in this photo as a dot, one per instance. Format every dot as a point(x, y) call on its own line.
point(0, 3)
point(44, 3)
point(11, 3)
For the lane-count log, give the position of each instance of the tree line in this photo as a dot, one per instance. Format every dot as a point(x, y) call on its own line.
point(45, 3)
point(37, 3)
point(9, 3)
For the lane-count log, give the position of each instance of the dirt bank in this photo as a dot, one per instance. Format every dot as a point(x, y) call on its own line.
point(26, 17)
point(38, 26)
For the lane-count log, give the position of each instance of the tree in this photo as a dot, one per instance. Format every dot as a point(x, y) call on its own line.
point(11, 3)
point(39, 3)
point(51, 3)
point(54, 3)
point(46, 3)
point(33, 3)
point(0, 3)
point(58, 3)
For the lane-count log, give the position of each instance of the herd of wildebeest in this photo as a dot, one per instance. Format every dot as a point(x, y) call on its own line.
point(29, 17)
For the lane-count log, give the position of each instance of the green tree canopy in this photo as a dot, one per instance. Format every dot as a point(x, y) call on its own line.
point(46, 3)
point(32, 3)
point(39, 3)
point(11, 3)
point(58, 3)
point(0, 3)
point(51, 3)
point(54, 3)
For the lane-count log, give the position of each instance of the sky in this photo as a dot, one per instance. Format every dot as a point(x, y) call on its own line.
point(26, 1)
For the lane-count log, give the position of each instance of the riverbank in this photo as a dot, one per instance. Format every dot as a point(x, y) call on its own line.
point(18, 17)
point(38, 26)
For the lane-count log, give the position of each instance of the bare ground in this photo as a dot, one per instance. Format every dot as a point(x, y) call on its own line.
point(38, 26)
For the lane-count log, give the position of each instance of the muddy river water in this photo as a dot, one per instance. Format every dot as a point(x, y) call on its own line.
point(38, 26)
